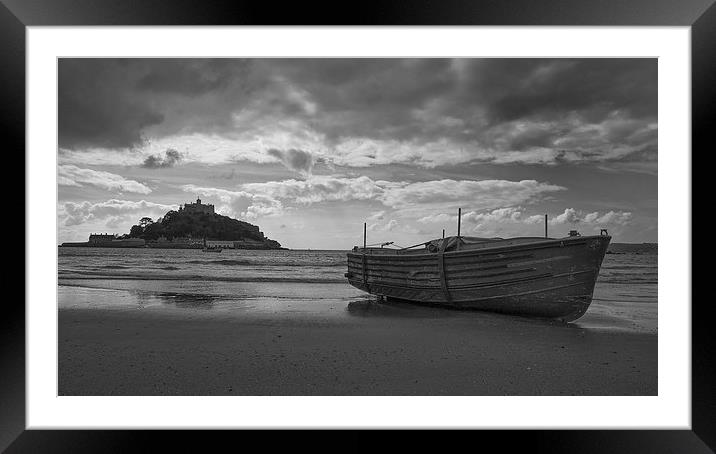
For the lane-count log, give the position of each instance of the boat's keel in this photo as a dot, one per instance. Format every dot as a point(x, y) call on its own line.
point(566, 302)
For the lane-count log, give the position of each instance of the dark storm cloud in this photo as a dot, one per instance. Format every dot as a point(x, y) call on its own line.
point(170, 159)
point(374, 98)
point(111, 103)
point(592, 88)
point(574, 108)
point(190, 77)
point(94, 106)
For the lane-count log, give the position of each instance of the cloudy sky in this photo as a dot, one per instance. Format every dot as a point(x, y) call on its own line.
point(309, 149)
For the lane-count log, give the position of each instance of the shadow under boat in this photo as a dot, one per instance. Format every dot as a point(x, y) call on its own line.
point(381, 307)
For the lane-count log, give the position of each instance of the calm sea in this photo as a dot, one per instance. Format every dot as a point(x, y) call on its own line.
point(625, 296)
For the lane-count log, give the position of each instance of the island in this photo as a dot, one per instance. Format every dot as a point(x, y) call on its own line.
point(194, 225)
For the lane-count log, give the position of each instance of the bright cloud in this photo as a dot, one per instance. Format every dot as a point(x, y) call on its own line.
point(441, 194)
point(70, 175)
point(170, 159)
point(437, 218)
point(318, 189)
point(568, 216)
point(515, 220)
point(612, 217)
point(112, 211)
point(255, 199)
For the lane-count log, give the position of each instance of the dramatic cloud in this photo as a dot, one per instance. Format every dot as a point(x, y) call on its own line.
point(432, 196)
point(112, 211)
point(510, 214)
point(70, 175)
point(437, 218)
point(298, 160)
point(403, 195)
point(110, 103)
point(612, 217)
point(242, 204)
point(387, 227)
point(365, 112)
point(398, 143)
point(476, 218)
point(318, 189)
point(269, 198)
point(95, 107)
point(569, 216)
point(515, 221)
point(170, 159)
point(574, 217)
point(408, 199)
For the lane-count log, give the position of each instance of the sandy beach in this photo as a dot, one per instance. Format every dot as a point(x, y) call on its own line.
point(276, 347)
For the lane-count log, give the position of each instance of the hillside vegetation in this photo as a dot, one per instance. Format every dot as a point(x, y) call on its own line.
point(182, 224)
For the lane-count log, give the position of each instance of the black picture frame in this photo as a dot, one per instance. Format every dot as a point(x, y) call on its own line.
point(16, 15)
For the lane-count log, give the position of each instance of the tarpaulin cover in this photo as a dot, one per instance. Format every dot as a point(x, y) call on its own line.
point(452, 242)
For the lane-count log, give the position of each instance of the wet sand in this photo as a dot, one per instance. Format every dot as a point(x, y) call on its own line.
point(358, 348)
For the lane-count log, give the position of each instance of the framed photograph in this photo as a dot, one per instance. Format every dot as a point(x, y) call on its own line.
point(435, 218)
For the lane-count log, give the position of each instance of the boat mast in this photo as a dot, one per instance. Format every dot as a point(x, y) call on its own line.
point(365, 263)
point(459, 217)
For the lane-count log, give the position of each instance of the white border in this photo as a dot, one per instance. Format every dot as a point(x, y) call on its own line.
point(670, 409)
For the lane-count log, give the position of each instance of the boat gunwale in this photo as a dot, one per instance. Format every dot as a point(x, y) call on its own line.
point(551, 242)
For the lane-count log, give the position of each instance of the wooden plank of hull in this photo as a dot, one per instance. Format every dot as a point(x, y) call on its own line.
point(443, 273)
point(556, 281)
point(567, 301)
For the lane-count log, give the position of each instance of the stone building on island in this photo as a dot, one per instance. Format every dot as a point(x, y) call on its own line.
point(197, 207)
point(97, 238)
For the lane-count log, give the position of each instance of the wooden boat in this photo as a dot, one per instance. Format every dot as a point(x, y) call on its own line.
point(532, 276)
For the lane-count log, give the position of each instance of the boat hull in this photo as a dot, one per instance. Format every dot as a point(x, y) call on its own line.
point(551, 278)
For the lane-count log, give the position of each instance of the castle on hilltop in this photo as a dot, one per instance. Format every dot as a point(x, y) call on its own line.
point(197, 207)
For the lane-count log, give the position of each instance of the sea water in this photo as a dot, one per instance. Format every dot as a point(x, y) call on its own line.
point(290, 282)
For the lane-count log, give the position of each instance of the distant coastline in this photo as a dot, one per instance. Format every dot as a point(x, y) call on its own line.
point(633, 248)
point(614, 248)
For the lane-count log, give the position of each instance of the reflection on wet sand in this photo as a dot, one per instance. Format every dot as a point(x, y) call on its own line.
point(179, 300)
point(371, 306)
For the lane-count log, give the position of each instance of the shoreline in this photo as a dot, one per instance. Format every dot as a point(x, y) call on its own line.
point(334, 347)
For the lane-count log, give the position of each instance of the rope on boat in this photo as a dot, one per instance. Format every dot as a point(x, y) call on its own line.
point(380, 244)
point(415, 245)
point(390, 244)
point(441, 271)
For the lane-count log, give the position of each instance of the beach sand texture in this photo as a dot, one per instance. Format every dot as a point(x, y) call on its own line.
point(124, 335)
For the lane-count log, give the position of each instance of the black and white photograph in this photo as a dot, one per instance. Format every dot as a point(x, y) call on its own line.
point(357, 226)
